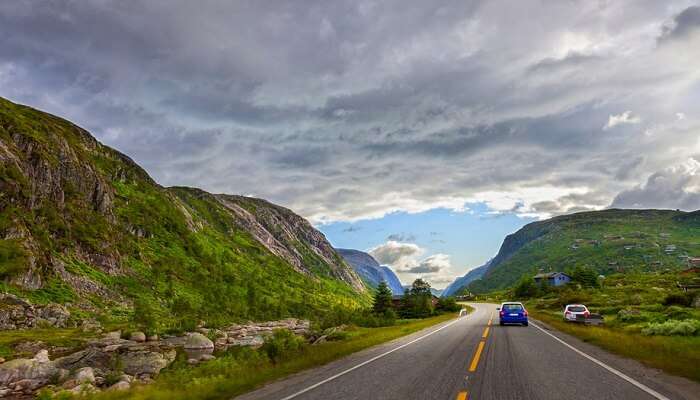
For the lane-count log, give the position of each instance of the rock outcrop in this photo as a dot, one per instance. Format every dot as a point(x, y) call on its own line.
point(16, 313)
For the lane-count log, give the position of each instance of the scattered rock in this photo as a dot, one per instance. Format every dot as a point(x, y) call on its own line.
point(2, 360)
point(320, 339)
point(138, 337)
point(207, 357)
point(85, 375)
point(39, 372)
point(42, 356)
point(84, 388)
point(198, 341)
point(192, 361)
point(146, 362)
point(121, 385)
point(152, 338)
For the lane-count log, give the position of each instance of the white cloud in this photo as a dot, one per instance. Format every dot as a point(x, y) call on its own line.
point(625, 118)
point(396, 254)
point(433, 264)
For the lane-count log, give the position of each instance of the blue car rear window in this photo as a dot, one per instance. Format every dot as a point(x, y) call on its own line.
point(512, 307)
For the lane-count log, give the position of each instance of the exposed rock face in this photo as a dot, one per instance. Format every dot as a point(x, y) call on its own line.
point(16, 313)
point(289, 236)
point(76, 209)
point(370, 270)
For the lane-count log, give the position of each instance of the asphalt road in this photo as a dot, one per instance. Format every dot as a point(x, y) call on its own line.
point(462, 359)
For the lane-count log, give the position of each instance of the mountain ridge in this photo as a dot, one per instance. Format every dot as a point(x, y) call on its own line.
point(607, 241)
point(80, 219)
point(462, 282)
point(370, 270)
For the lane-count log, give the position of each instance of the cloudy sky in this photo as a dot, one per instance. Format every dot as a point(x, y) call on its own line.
point(384, 116)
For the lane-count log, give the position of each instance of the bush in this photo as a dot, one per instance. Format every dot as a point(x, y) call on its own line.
point(629, 315)
point(448, 304)
point(688, 327)
point(678, 299)
point(526, 288)
point(281, 344)
point(675, 312)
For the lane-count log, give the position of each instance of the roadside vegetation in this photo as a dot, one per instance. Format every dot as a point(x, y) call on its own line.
point(242, 369)
point(646, 316)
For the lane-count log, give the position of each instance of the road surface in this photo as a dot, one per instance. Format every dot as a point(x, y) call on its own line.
point(471, 358)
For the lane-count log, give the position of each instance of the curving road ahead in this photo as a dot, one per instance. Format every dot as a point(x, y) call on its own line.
point(471, 358)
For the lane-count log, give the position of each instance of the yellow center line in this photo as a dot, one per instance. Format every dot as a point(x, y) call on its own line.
point(486, 333)
point(477, 355)
point(462, 396)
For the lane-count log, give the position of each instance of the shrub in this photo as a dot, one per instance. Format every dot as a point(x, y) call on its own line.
point(675, 312)
point(688, 327)
point(526, 288)
point(679, 299)
point(448, 304)
point(629, 315)
point(281, 344)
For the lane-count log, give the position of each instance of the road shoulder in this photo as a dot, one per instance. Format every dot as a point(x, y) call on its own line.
point(672, 386)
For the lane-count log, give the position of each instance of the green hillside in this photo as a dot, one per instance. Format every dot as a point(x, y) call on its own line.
point(83, 225)
point(606, 241)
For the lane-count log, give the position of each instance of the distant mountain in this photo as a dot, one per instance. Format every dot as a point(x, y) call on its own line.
point(370, 270)
point(84, 225)
point(606, 241)
point(458, 284)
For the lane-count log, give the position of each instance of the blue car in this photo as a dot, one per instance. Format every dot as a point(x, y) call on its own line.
point(512, 313)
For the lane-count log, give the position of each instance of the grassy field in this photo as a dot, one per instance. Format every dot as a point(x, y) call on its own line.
point(606, 242)
point(647, 318)
point(244, 369)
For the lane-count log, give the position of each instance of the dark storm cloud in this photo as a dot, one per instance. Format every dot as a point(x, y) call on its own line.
point(349, 110)
point(684, 24)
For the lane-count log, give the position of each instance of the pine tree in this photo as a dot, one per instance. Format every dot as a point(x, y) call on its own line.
point(382, 299)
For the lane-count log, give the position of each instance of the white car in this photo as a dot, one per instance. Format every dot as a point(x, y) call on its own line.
point(573, 310)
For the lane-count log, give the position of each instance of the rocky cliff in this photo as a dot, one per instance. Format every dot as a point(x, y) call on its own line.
point(81, 223)
point(370, 270)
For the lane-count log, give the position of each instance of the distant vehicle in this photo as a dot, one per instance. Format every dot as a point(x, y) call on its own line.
point(512, 313)
point(572, 311)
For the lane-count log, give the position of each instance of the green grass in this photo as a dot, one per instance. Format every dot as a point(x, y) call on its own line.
point(607, 242)
point(242, 370)
point(675, 355)
point(52, 337)
point(190, 261)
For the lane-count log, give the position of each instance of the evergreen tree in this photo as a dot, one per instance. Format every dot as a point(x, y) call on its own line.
point(382, 299)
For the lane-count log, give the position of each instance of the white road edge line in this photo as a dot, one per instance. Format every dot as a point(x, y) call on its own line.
point(607, 367)
point(362, 364)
